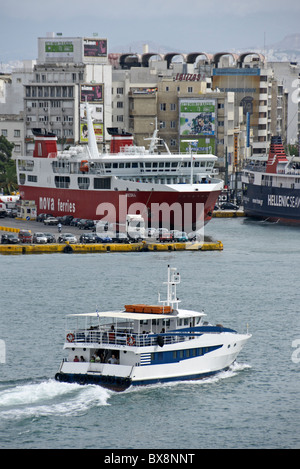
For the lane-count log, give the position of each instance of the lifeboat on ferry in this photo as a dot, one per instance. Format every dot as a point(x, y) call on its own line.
point(141, 308)
point(84, 166)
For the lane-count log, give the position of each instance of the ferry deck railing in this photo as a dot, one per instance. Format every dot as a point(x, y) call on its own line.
point(104, 337)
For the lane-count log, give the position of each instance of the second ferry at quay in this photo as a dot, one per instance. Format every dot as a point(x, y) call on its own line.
point(84, 183)
point(272, 187)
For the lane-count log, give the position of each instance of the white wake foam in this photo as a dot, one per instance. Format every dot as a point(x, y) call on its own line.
point(50, 398)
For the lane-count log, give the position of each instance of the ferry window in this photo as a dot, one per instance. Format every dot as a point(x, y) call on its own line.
point(134, 165)
point(180, 353)
point(127, 165)
point(148, 165)
point(167, 164)
point(107, 165)
point(121, 165)
point(141, 165)
point(22, 178)
point(32, 178)
point(115, 165)
point(186, 321)
point(154, 164)
point(62, 182)
point(83, 182)
point(161, 165)
point(174, 165)
point(187, 353)
point(102, 183)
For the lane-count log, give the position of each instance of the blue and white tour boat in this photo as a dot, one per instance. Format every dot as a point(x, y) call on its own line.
point(145, 344)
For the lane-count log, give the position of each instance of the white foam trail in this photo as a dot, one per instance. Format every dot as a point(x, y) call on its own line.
point(50, 398)
point(232, 371)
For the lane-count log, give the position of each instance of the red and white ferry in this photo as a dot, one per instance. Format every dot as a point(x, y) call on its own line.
point(174, 190)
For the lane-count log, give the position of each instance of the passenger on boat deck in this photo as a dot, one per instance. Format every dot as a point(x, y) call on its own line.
point(97, 359)
point(112, 360)
point(76, 359)
point(82, 359)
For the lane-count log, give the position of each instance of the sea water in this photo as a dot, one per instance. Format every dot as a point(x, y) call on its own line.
point(253, 284)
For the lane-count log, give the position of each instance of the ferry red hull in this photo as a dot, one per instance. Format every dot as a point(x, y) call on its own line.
point(114, 205)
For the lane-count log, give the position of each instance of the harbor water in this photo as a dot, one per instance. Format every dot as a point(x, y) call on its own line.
point(252, 284)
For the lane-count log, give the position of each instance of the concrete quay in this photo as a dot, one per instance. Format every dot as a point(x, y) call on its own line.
point(15, 225)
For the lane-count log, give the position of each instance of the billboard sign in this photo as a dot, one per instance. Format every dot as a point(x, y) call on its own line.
point(92, 93)
point(197, 117)
point(94, 47)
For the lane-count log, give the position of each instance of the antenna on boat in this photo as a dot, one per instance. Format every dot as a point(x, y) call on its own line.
point(173, 280)
point(154, 140)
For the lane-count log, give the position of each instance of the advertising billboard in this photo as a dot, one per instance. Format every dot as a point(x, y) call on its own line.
point(197, 117)
point(91, 92)
point(94, 47)
point(59, 48)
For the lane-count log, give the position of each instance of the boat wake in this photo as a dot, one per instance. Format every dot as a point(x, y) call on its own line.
point(232, 371)
point(50, 398)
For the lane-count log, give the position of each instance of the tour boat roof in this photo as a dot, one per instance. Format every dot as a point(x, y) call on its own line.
point(140, 316)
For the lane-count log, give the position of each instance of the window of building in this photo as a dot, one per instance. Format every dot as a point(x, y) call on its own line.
point(163, 106)
point(4, 132)
point(173, 107)
point(17, 133)
point(190, 89)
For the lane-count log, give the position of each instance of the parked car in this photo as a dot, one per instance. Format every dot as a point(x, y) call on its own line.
point(25, 236)
point(120, 238)
point(84, 224)
point(162, 234)
point(67, 238)
point(87, 238)
point(180, 236)
point(229, 206)
point(103, 238)
point(50, 221)
point(66, 219)
point(50, 238)
point(41, 217)
point(9, 238)
point(75, 221)
point(12, 213)
point(151, 232)
point(39, 238)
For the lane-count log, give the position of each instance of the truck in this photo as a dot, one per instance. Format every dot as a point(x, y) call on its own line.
point(135, 226)
point(3, 211)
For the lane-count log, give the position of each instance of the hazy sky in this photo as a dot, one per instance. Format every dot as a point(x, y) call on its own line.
point(180, 25)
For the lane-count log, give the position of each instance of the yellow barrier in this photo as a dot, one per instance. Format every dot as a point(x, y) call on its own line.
point(227, 214)
point(85, 248)
point(4, 228)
